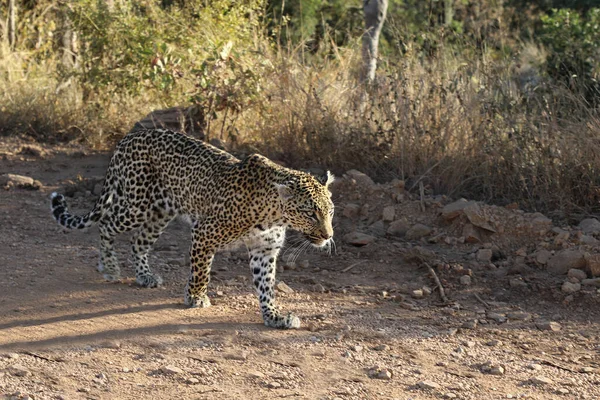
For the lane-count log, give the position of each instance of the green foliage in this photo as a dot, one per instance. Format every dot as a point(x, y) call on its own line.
point(574, 44)
point(137, 46)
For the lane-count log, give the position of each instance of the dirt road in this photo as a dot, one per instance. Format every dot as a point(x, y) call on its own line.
point(67, 334)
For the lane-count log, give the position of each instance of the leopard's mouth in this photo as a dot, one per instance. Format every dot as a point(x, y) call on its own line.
point(318, 242)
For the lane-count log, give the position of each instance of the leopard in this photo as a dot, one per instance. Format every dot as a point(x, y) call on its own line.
point(156, 175)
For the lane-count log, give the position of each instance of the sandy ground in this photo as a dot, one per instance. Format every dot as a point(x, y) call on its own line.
point(67, 334)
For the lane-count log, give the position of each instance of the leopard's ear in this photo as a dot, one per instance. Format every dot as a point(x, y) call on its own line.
point(284, 191)
point(326, 179)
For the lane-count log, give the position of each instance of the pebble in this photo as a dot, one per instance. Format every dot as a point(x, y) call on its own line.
point(304, 264)
point(534, 366)
point(256, 374)
point(428, 385)
point(541, 380)
point(356, 348)
point(192, 381)
point(465, 280)
point(241, 356)
point(577, 274)
point(18, 370)
point(470, 324)
point(563, 391)
point(283, 287)
point(493, 343)
point(384, 374)
point(450, 395)
point(381, 347)
point(496, 317)
point(569, 287)
point(548, 326)
point(171, 370)
point(273, 385)
point(417, 294)
point(519, 315)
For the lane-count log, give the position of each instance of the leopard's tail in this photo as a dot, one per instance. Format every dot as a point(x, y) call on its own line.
point(61, 213)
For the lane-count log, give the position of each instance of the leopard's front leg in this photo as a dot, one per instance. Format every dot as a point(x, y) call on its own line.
point(263, 255)
point(202, 253)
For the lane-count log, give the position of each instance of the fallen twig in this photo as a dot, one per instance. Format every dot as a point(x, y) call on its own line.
point(555, 365)
point(38, 356)
point(352, 266)
point(481, 300)
point(438, 283)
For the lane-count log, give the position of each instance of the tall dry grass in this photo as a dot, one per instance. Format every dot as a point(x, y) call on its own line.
point(465, 124)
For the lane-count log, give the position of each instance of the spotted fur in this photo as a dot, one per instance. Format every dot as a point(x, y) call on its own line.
point(155, 175)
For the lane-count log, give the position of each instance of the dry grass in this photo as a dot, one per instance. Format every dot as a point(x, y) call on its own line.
point(469, 126)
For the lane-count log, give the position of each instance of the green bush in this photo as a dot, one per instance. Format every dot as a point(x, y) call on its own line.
point(573, 42)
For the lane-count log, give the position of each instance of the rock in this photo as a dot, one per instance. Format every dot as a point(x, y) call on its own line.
point(97, 189)
point(588, 240)
point(318, 288)
point(519, 315)
point(381, 347)
point(568, 287)
point(453, 210)
point(171, 370)
point(562, 262)
point(356, 348)
point(398, 228)
point(471, 234)
point(541, 380)
point(517, 282)
point(476, 216)
point(542, 256)
point(534, 366)
point(496, 317)
point(577, 274)
point(192, 381)
point(563, 391)
point(492, 369)
point(589, 226)
point(256, 374)
point(283, 287)
point(450, 395)
point(494, 343)
point(273, 385)
point(351, 211)
point(18, 370)
point(377, 228)
point(418, 231)
point(470, 324)
point(384, 374)
point(20, 181)
point(591, 282)
point(428, 385)
point(593, 264)
point(417, 294)
point(303, 264)
point(360, 178)
point(358, 239)
point(484, 255)
point(465, 280)
point(388, 214)
point(238, 356)
point(548, 326)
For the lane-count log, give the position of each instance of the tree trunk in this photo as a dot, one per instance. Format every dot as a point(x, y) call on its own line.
point(12, 23)
point(448, 12)
point(374, 14)
point(69, 41)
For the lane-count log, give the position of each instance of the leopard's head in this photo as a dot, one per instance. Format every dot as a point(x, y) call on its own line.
point(307, 207)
